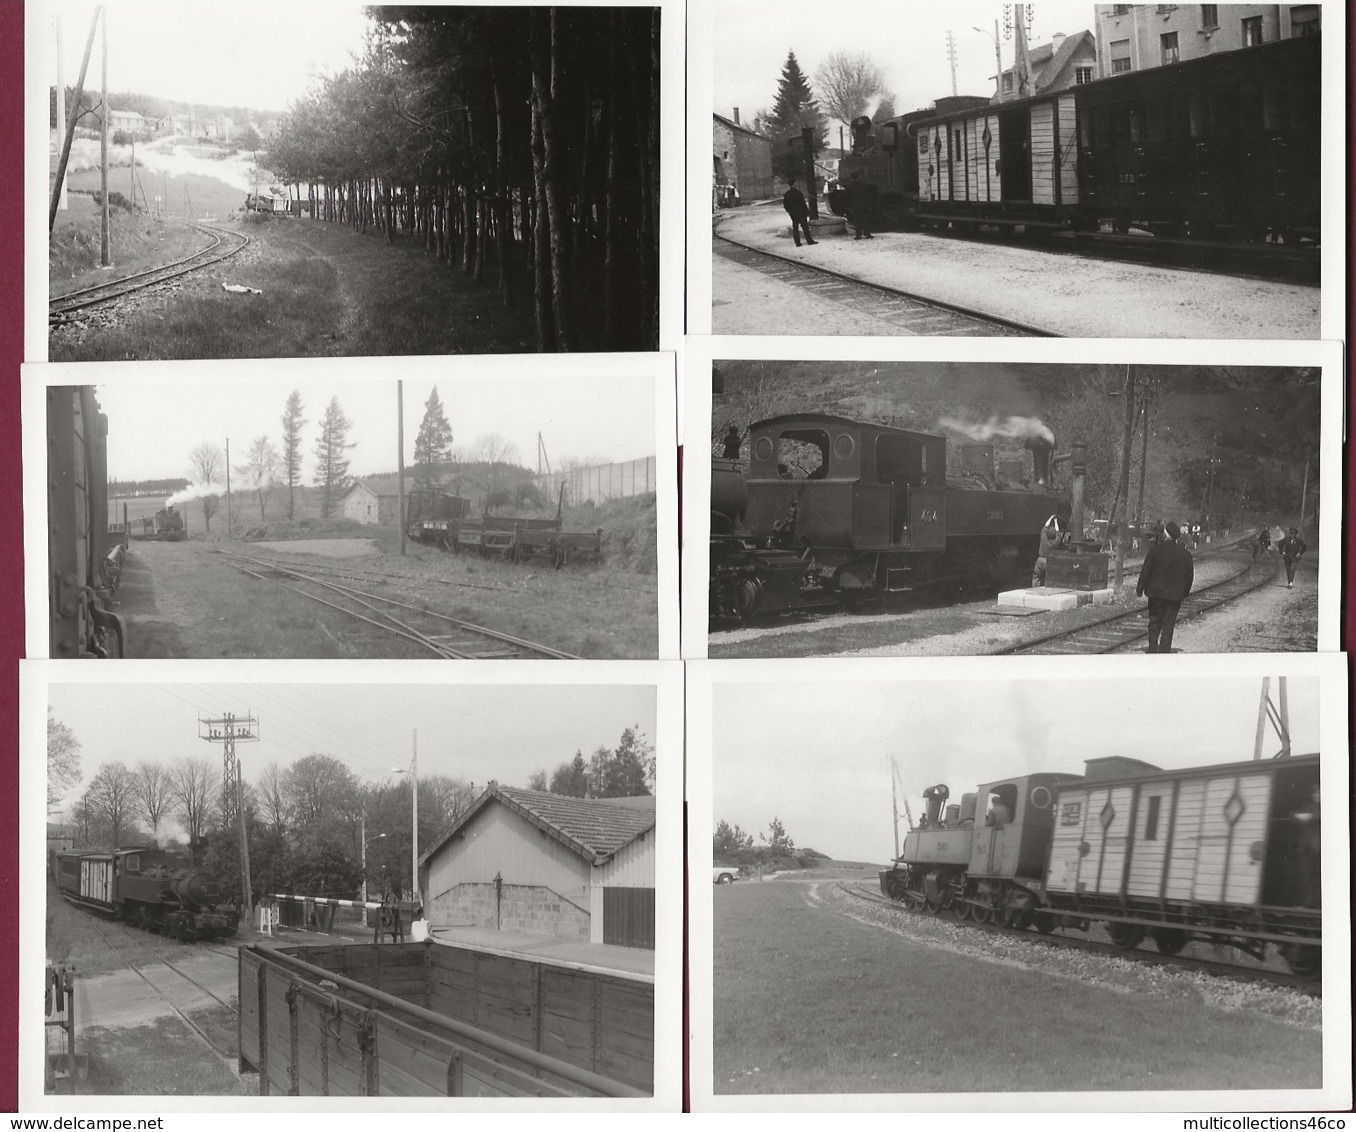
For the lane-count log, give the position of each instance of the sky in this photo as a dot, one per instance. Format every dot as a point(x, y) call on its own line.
point(475, 732)
point(152, 428)
point(905, 38)
point(253, 53)
point(818, 755)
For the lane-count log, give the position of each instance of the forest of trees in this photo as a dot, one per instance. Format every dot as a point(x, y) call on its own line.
point(731, 845)
point(518, 141)
point(624, 771)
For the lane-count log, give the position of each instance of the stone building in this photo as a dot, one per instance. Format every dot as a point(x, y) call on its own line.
point(1134, 37)
point(1064, 62)
point(740, 159)
point(546, 864)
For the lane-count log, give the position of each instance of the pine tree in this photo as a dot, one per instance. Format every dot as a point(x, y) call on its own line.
point(331, 474)
point(433, 445)
point(292, 420)
point(794, 109)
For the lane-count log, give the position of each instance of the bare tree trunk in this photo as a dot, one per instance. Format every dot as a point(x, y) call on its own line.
point(545, 77)
point(503, 198)
point(541, 241)
point(611, 108)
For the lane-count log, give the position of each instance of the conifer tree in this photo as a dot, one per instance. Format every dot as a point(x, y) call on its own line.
point(794, 109)
point(331, 473)
point(433, 445)
point(292, 420)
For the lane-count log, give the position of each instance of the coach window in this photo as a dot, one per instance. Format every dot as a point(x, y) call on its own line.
point(1101, 126)
point(803, 454)
point(1304, 19)
point(1273, 108)
point(1156, 120)
point(1198, 108)
point(1168, 48)
point(1151, 817)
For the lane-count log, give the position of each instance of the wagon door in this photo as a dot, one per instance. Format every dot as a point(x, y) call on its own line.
point(1233, 839)
point(1014, 151)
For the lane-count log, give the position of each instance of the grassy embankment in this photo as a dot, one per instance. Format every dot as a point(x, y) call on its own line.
point(810, 1001)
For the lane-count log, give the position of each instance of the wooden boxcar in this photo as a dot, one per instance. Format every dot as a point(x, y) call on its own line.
point(428, 1019)
point(1225, 146)
point(1222, 851)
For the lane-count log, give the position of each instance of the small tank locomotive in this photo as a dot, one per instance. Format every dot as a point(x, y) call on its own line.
point(833, 510)
point(152, 888)
point(1227, 854)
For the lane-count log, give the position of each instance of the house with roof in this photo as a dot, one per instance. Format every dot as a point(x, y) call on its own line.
point(740, 159)
point(1066, 61)
point(546, 864)
point(129, 121)
point(375, 499)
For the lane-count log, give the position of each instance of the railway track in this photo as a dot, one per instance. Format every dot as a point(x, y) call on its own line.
point(225, 243)
point(163, 991)
point(1145, 956)
point(916, 314)
point(441, 635)
point(1118, 630)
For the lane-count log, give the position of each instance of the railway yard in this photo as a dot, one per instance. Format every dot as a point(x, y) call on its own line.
point(345, 597)
point(1236, 605)
point(919, 283)
point(982, 1009)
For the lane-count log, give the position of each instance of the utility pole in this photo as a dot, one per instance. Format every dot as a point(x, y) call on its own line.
point(1304, 493)
point(951, 58)
point(807, 138)
point(1124, 488)
point(228, 488)
point(1279, 715)
point(60, 104)
point(228, 730)
point(69, 136)
point(105, 252)
point(1143, 462)
point(400, 460)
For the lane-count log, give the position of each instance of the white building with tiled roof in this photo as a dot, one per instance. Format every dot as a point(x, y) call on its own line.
point(546, 864)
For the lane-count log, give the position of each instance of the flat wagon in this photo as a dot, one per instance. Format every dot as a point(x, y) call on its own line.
point(430, 1019)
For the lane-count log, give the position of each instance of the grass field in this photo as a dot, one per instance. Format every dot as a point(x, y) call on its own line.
point(812, 995)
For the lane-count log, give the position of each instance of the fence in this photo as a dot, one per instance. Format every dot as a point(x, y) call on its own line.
point(600, 482)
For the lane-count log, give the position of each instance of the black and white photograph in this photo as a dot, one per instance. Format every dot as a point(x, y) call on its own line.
point(307, 179)
point(874, 507)
point(956, 888)
point(1032, 170)
point(489, 512)
point(357, 888)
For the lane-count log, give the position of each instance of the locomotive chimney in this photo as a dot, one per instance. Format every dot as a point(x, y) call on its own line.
point(936, 797)
point(736, 115)
point(1041, 451)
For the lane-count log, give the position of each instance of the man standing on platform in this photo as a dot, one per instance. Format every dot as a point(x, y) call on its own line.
point(1166, 578)
point(793, 200)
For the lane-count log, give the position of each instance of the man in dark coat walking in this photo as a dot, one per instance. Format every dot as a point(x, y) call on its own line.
point(1166, 578)
point(1292, 548)
point(793, 200)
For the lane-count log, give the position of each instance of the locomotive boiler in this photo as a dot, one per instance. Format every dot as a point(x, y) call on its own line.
point(149, 887)
point(841, 510)
point(1227, 854)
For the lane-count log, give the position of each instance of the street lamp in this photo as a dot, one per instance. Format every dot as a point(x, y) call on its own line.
point(413, 772)
point(998, 58)
point(366, 840)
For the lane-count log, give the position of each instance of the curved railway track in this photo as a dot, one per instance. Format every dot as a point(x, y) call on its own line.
point(442, 635)
point(1134, 955)
point(225, 243)
point(915, 314)
point(162, 991)
point(1120, 629)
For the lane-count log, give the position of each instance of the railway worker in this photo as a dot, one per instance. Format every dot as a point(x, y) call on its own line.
point(1165, 578)
point(859, 207)
point(793, 200)
point(998, 815)
point(1292, 549)
point(732, 442)
point(1051, 537)
point(1308, 845)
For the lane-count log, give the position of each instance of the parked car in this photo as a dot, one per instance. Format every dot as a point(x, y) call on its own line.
point(725, 874)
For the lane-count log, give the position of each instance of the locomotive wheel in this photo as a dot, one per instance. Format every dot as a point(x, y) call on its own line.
point(896, 889)
point(748, 596)
point(930, 906)
point(1169, 941)
point(1125, 936)
point(960, 909)
point(1304, 960)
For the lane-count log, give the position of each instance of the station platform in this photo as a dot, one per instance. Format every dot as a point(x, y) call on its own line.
point(599, 956)
point(1054, 599)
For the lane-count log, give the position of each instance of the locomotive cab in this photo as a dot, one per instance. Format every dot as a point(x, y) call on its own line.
point(1010, 840)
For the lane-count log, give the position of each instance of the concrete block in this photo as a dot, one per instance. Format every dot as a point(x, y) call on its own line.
point(1055, 601)
point(1103, 597)
point(1012, 597)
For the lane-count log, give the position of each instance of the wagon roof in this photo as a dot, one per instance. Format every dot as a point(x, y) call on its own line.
point(595, 828)
point(1215, 770)
point(833, 418)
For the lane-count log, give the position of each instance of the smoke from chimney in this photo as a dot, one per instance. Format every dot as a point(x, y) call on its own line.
point(1014, 428)
point(195, 491)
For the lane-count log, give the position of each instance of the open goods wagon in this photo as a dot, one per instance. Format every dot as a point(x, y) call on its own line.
point(428, 1019)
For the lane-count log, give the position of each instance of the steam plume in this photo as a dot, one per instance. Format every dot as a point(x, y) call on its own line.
point(1014, 428)
point(195, 491)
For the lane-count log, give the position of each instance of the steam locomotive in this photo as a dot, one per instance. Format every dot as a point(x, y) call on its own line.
point(1223, 148)
point(1227, 854)
point(84, 562)
point(833, 511)
point(152, 888)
